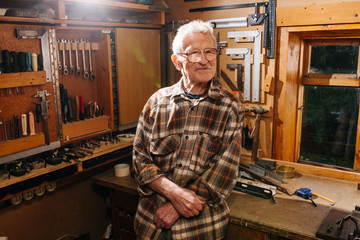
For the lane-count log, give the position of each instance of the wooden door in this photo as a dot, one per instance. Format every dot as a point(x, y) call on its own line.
point(137, 70)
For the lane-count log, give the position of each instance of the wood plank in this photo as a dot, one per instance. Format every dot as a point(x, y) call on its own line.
point(86, 127)
point(11, 80)
point(331, 82)
point(334, 13)
point(138, 70)
point(21, 144)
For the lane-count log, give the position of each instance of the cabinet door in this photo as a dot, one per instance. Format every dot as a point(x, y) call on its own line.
point(137, 70)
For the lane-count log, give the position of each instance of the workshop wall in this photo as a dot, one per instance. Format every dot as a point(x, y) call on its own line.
point(268, 76)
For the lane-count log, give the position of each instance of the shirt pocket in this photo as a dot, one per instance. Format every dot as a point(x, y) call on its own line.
point(163, 151)
point(206, 147)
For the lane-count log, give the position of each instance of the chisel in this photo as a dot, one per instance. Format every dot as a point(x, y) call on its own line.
point(4, 126)
point(38, 114)
point(22, 62)
point(24, 124)
point(11, 130)
point(28, 61)
point(34, 62)
point(31, 124)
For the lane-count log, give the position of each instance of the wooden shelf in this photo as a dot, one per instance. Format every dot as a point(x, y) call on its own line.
point(86, 127)
point(22, 79)
point(21, 144)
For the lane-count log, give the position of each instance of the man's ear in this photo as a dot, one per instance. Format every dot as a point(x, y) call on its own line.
point(176, 62)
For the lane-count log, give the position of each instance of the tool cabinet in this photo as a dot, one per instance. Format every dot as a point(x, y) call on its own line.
point(125, 76)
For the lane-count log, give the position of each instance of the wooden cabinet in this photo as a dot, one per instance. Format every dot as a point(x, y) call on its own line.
point(137, 70)
point(124, 207)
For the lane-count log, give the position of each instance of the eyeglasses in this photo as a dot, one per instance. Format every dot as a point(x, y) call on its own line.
point(195, 55)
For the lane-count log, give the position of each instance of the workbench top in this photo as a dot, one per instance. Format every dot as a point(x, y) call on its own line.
point(291, 216)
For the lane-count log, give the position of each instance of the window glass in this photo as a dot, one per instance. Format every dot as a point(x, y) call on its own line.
point(329, 125)
point(341, 59)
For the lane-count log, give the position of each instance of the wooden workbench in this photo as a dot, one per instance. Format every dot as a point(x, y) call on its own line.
point(291, 217)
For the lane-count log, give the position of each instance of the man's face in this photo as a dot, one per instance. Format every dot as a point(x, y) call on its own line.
point(203, 70)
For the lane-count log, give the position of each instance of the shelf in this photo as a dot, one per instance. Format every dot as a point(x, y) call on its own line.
point(21, 144)
point(22, 79)
point(84, 128)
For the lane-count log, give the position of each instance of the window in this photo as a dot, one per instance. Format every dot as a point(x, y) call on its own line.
point(331, 95)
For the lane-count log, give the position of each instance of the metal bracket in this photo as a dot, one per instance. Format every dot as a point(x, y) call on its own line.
point(43, 35)
point(243, 53)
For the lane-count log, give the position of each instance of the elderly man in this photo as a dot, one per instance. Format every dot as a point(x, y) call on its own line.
point(187, 146)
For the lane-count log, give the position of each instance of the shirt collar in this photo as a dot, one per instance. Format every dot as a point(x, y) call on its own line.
point(212, 92)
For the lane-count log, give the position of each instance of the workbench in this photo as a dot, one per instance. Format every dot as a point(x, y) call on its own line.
point(291, 217)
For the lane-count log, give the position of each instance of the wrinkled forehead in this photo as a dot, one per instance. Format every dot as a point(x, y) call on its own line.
point(198, 41)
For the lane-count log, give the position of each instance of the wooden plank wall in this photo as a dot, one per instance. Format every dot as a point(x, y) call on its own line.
point(277, 140)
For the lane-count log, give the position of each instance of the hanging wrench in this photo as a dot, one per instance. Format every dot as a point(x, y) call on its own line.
point(71, 69)
point(58, 55)
point(77, 72)
point(65, 70)
point(92, 75)
point(86, 73)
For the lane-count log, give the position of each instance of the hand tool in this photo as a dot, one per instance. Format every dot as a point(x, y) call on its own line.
point(40, 62)
point(31, 123)
point(228, 81)
point(255, 188)
point(58, 55)
point(75, 47)
point(34, 62)
point(22, 62)
point(86, 73)
point(257, 18)
point(81, 107)
point(265, 179)
point(332, 203)
point(4, 126)
point(16, 127)
point(14, 62)
point(11, 125)
point(6, 61)
point(305, 193)
point(258, 111)
point(244, 5)
point(252, 36)
point(92, 75)
point(38, 114)
point(76, 108)
point(44, 112)
point(243, 53)
point(24, 124)
point(65, 70)
point(238, 74)
point(28, 61)
point(89, 109)
point(68, 47)
point(228, 22)
point(71, 116)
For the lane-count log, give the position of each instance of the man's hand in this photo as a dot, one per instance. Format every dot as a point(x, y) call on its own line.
point(186, 202)
point(166, 216)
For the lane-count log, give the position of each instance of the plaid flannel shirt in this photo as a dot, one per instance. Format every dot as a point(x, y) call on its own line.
point(197, 146)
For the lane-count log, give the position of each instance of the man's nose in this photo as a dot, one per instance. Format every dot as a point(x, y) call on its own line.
point(203, 59)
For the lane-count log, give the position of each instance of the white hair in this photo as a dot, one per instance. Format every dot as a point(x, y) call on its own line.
point(196, 26)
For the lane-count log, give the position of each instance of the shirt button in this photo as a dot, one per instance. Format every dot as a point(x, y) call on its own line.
point(186, 137)
point(179, 165)
point(210, 149)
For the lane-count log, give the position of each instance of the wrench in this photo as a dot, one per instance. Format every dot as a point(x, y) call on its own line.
point(86, 73)
point(65, 70)
point(77, 72)
point(71, 69)
point(58, 55)
point(92, 75)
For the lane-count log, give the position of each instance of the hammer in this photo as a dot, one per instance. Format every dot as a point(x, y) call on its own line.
point(258, 111)
point(238, 74)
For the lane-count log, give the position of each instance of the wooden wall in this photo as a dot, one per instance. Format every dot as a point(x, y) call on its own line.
point(278, 127)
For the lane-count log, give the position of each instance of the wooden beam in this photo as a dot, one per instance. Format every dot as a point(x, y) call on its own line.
point(335, 13)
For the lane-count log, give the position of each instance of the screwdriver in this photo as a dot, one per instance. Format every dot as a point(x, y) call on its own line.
point(38, 114)
point(14, 64)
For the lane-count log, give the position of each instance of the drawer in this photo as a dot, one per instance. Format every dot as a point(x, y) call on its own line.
point(126, 202)
point(125, 220)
